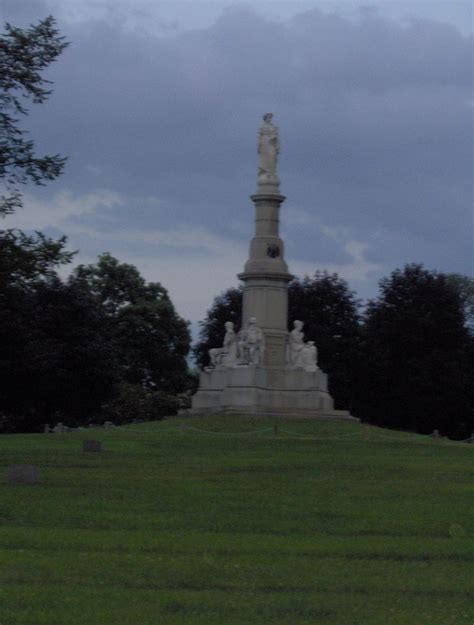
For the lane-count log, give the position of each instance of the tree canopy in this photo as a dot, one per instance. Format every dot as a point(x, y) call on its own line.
point(151, 339)
point(24, 55)
point(415, 353)
point(226, 307)
point(330, 312)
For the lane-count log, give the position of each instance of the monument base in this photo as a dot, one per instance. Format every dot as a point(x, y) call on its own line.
point(265, 391)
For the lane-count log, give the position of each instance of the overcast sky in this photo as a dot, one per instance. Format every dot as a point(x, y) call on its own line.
point(157, 105)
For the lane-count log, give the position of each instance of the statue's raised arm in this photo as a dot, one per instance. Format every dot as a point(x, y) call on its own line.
point(268, 147)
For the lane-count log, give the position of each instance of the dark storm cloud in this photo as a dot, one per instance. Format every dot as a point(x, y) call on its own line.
point(375, 119)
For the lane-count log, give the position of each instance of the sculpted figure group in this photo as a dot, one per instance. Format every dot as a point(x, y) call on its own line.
point(244, 348)
point(247, 347)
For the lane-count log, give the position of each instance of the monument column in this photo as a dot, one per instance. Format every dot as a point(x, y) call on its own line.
point(265, 274)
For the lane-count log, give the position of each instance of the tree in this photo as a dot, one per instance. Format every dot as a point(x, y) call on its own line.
point(465, 288)
point(151, 339)
point(329, 310)
point(416, 352)
point(24, 55)
point(27, 259)
point(226, 307)
point(56, 363)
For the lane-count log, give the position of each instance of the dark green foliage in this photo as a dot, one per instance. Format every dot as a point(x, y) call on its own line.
point(104, 336)
point(24, 55)
point(416, 355)
point(464, 285)
point(27, 259)
point(135, 402)
point(329, 310)
point(226, 307)
point(151, 339)
point(57, 363)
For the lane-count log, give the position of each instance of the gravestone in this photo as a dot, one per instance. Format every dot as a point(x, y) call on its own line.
point(22, 474)
point(90, 445)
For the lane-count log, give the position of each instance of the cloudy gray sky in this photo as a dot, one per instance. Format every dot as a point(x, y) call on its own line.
point(157, 105)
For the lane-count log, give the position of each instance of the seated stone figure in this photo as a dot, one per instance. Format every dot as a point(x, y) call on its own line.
point(226, 355)
point(301, 355)
point(310, 357)
point(251, 344)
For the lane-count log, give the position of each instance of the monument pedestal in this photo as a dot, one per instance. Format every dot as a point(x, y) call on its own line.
point(265, 390)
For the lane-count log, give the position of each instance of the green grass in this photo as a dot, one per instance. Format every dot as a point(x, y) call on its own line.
point(326, 523)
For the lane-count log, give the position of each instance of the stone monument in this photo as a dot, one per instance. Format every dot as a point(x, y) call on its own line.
point(264, 369)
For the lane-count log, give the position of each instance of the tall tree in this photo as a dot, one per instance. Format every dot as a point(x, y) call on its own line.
point(464, 285)
point(27, 259)
point(416, 354)
point(24, 55)
point(56, 362)
point(226, 307)
point(151, 339)
point(330, 312)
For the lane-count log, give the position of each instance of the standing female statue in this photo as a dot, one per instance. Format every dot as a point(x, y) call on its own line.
point(296, 345)
point(268, 147)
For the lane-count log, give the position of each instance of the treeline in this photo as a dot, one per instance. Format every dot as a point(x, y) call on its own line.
point(405, 362)
point(102, 344)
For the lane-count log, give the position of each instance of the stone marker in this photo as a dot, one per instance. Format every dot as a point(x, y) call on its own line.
point(89, 445)
point(184, 428)
point(22, 474)
point(46, 428)
point(435, 434)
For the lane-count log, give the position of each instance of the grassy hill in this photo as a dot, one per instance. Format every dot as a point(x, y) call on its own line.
point(228, 523)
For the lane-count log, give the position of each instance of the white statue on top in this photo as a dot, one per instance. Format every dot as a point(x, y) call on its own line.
point(268, 147)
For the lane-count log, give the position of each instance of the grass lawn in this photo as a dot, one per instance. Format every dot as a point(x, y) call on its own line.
point(226, 523)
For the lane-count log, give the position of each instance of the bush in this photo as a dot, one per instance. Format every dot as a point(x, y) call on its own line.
point(133, 402)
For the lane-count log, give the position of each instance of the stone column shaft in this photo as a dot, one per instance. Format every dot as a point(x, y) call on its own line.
point(266, 278)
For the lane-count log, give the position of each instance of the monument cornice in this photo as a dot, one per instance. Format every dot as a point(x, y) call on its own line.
point(262, 196)
point(265, 275)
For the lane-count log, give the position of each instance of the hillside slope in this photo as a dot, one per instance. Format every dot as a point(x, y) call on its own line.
point(226, 522)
